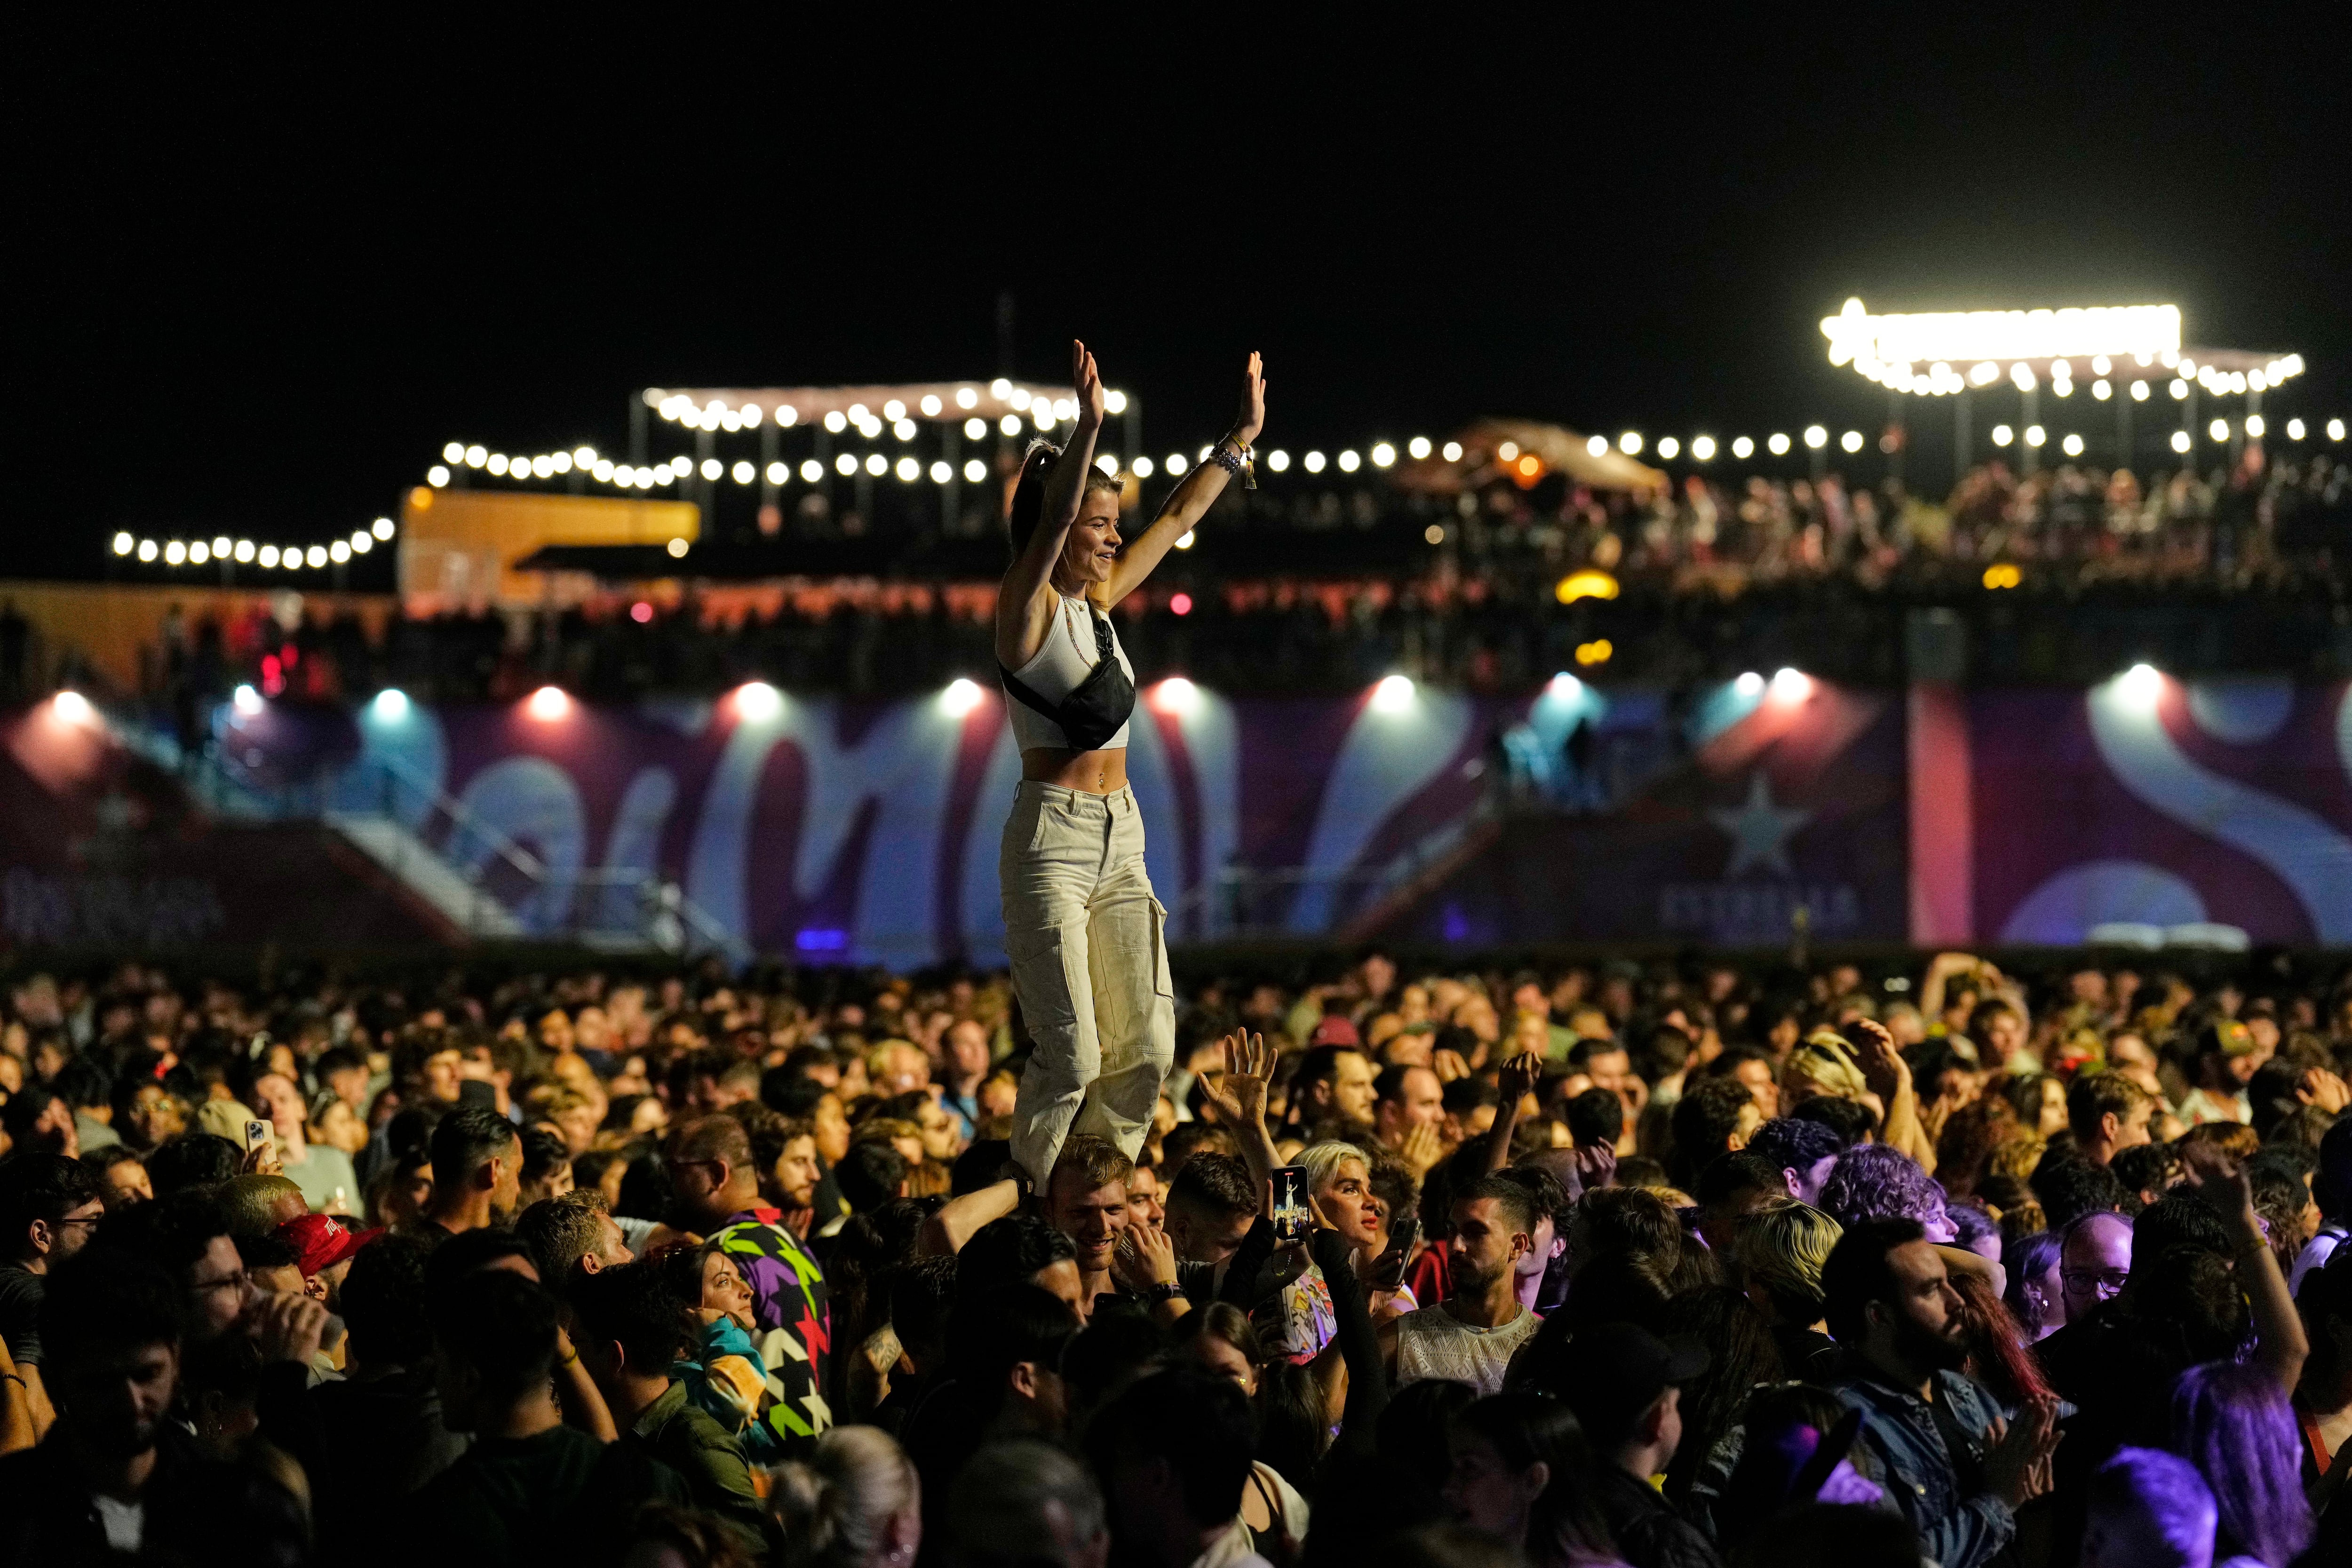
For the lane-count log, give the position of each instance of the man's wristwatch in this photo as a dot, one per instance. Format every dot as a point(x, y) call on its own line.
point(1166, 1290)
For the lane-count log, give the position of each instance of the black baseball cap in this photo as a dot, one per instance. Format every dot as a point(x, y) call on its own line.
point(1613, 1371)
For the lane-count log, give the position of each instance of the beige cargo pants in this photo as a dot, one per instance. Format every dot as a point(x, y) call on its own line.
point(1088, 947)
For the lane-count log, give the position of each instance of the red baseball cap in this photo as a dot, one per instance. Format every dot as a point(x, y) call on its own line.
point(1335, 1029)
point(321, 1241)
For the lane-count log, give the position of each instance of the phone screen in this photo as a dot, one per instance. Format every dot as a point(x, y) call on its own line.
point(1289, 1203)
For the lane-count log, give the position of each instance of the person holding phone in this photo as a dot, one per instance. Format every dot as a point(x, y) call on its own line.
point(1085, 934)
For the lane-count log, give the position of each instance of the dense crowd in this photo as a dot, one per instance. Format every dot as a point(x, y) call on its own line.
point(1661, 1264)
point(1292, 595)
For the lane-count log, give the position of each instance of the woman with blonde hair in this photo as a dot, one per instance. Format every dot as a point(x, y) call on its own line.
point(1778, 1252)
point(854, 1503)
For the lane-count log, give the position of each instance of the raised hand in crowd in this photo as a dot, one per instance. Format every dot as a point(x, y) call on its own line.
point(1239, 1092)
point(1596, 1165)
point(1420, 1149)
point(2281, 1344)
point(1889, 1077)
point(1517, 1078)
point(1240, 1096)
point(2324, 1090)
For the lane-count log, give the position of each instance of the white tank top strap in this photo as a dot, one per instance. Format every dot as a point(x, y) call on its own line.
point(1064, 659)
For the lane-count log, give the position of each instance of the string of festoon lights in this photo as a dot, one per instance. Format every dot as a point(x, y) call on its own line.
point(222, 549)
point(1040, 415)
point(1699, 450)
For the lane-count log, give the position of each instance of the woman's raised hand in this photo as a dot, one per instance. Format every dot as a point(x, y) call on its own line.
point(1881, 1063)
point(1088, 381)
point(1252, 419)
point(1240, 1094)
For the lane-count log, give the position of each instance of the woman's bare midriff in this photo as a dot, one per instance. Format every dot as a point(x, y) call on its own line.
point(1097, 772)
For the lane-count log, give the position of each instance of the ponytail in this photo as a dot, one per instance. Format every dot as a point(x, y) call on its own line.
point(1029, 493)
point(836, 1505)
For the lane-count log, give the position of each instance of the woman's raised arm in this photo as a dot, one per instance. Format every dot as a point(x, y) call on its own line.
point(1019, 609)
point(1189, 501)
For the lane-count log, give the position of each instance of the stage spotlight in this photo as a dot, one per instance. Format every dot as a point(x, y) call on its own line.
point(758, 701)
point(1393, 694)
point(2140, 685)
point(1176, 697)
point(961, 697)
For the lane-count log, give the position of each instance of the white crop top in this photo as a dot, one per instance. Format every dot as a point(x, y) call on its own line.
point(1064, 660)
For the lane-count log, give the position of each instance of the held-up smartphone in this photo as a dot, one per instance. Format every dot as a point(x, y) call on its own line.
point(1388, 1270)
point(478, 1092)
point(257, 1134)
point(1290, 1214)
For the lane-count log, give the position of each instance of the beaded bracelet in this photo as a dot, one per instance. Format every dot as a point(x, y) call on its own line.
point(1238, 463)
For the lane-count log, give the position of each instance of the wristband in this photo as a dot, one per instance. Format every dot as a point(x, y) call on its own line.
point(1238, 464)
point(1166, 1290)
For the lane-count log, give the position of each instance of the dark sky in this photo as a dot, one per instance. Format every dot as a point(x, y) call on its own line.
point(255, 280)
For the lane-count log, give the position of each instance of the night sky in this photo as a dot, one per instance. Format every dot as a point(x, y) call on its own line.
point(258, 279)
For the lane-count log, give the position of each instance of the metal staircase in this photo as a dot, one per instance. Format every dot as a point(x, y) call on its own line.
point(479, 879)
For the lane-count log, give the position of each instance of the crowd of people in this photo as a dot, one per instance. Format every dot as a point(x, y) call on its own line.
point(1662, 1264)
point(1713, 578)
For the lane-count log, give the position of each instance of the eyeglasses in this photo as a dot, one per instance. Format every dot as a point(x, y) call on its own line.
point(89, 1219)
point(241, 1282)
point(2107, 1282)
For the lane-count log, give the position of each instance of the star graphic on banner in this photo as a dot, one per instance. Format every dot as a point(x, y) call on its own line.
point(1759, 830)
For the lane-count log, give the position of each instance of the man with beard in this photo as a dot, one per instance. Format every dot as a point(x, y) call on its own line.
point(1331, 1094)
point(1954, 1471)
point(115, 1476)
point(1086, 1200)
point(48, 1207)
point(1471, 1335)
point(476, 1174)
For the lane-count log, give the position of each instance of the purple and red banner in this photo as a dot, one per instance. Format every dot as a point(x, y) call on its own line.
point(2142, 810)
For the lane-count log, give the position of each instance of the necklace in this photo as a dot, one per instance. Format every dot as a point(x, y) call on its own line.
point(1084, 655)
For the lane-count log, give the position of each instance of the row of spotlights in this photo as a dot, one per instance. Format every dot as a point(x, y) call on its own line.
point(758, 701)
